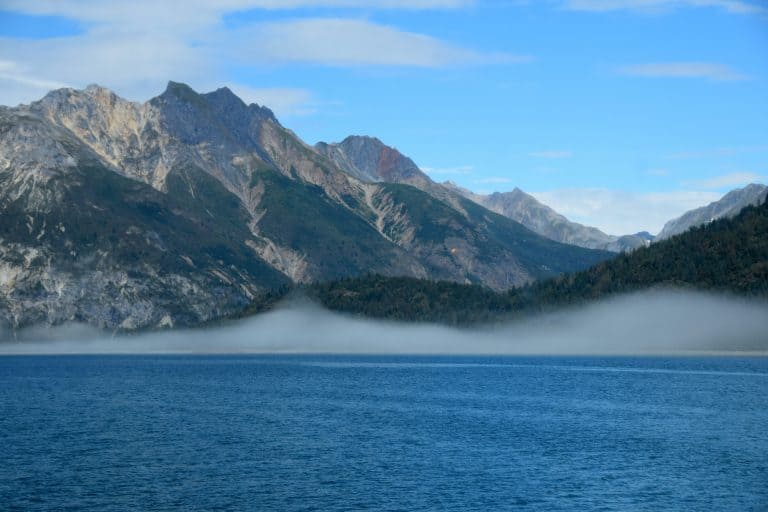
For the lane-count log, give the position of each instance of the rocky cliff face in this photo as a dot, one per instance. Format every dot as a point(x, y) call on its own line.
point(79, 241)
point(728, 206)
point(182, 209)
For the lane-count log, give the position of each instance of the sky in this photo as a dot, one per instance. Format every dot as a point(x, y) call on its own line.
point(620, 114)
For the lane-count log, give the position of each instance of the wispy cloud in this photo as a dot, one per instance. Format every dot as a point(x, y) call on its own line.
point(734, 179)
point(620, 212)
point(352, 42)
point(17, 85)
point(656, 6)
point(30, 81)
point(135, 47)
point(706, 70)
point(552, 154)
point(99, 11)
point(447, 171)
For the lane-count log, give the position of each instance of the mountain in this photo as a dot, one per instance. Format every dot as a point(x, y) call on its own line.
point(369, 159)
point(538, 217)
point(728, 206)
point(190, 206)
point(727, 255)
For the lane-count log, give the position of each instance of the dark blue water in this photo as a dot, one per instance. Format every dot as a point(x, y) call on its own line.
point(383, 433)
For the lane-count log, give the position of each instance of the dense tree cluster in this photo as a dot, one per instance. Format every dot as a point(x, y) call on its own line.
point(728, 255)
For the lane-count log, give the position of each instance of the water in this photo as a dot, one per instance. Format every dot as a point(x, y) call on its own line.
point(382, 433)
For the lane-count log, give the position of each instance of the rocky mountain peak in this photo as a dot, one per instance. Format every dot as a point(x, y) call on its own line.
point(224, 101)
point(99, 90)
point(362, 140)
point(369, 159)
point(178, 90)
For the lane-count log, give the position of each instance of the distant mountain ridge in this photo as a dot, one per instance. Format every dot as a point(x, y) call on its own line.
point(369, 159)
point(187, 207)
point(727, 206)
point(527, 210)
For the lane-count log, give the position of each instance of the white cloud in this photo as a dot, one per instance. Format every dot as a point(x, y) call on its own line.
point(136, 64)
point(351, 42)
point(621, 212)
point(443, 171)
point(705, 70)
point(135, 47)
point(732, 6)
point(734, 179)
point(553, 154)
point(100, 11)
point(16, 85)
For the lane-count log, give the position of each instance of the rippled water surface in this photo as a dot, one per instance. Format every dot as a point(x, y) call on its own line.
point(382, 433)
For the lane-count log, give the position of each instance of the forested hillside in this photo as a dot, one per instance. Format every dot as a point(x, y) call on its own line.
point(728, 255)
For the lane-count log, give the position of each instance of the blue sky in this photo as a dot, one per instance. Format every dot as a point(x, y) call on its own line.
point(618, 113)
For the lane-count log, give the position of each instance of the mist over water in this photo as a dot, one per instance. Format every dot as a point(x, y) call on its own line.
point(656, 322)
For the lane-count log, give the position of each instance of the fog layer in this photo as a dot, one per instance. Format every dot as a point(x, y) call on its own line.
point(658, 322)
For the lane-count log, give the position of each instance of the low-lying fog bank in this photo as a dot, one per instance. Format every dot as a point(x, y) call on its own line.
point(657, 322)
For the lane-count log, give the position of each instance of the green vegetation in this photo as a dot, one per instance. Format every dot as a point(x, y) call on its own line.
point(434, 220)
point(477, 245)
point(728, 255)
point(410, 299)
point(541, 256)
point(335, 242)
point(103, 221)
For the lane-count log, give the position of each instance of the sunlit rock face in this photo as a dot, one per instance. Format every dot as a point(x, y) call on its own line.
point(184, 208)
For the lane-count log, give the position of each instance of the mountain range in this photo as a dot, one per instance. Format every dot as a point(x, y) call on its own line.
point(190, 207)
point(369, 159)
point(184, 208)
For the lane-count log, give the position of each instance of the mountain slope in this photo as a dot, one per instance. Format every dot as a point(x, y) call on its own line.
point(727, 255)
point(80, 242)
point(728, 206)
point(485, 247)
point(188, 206)
point(527, 210)
point(369, 159)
